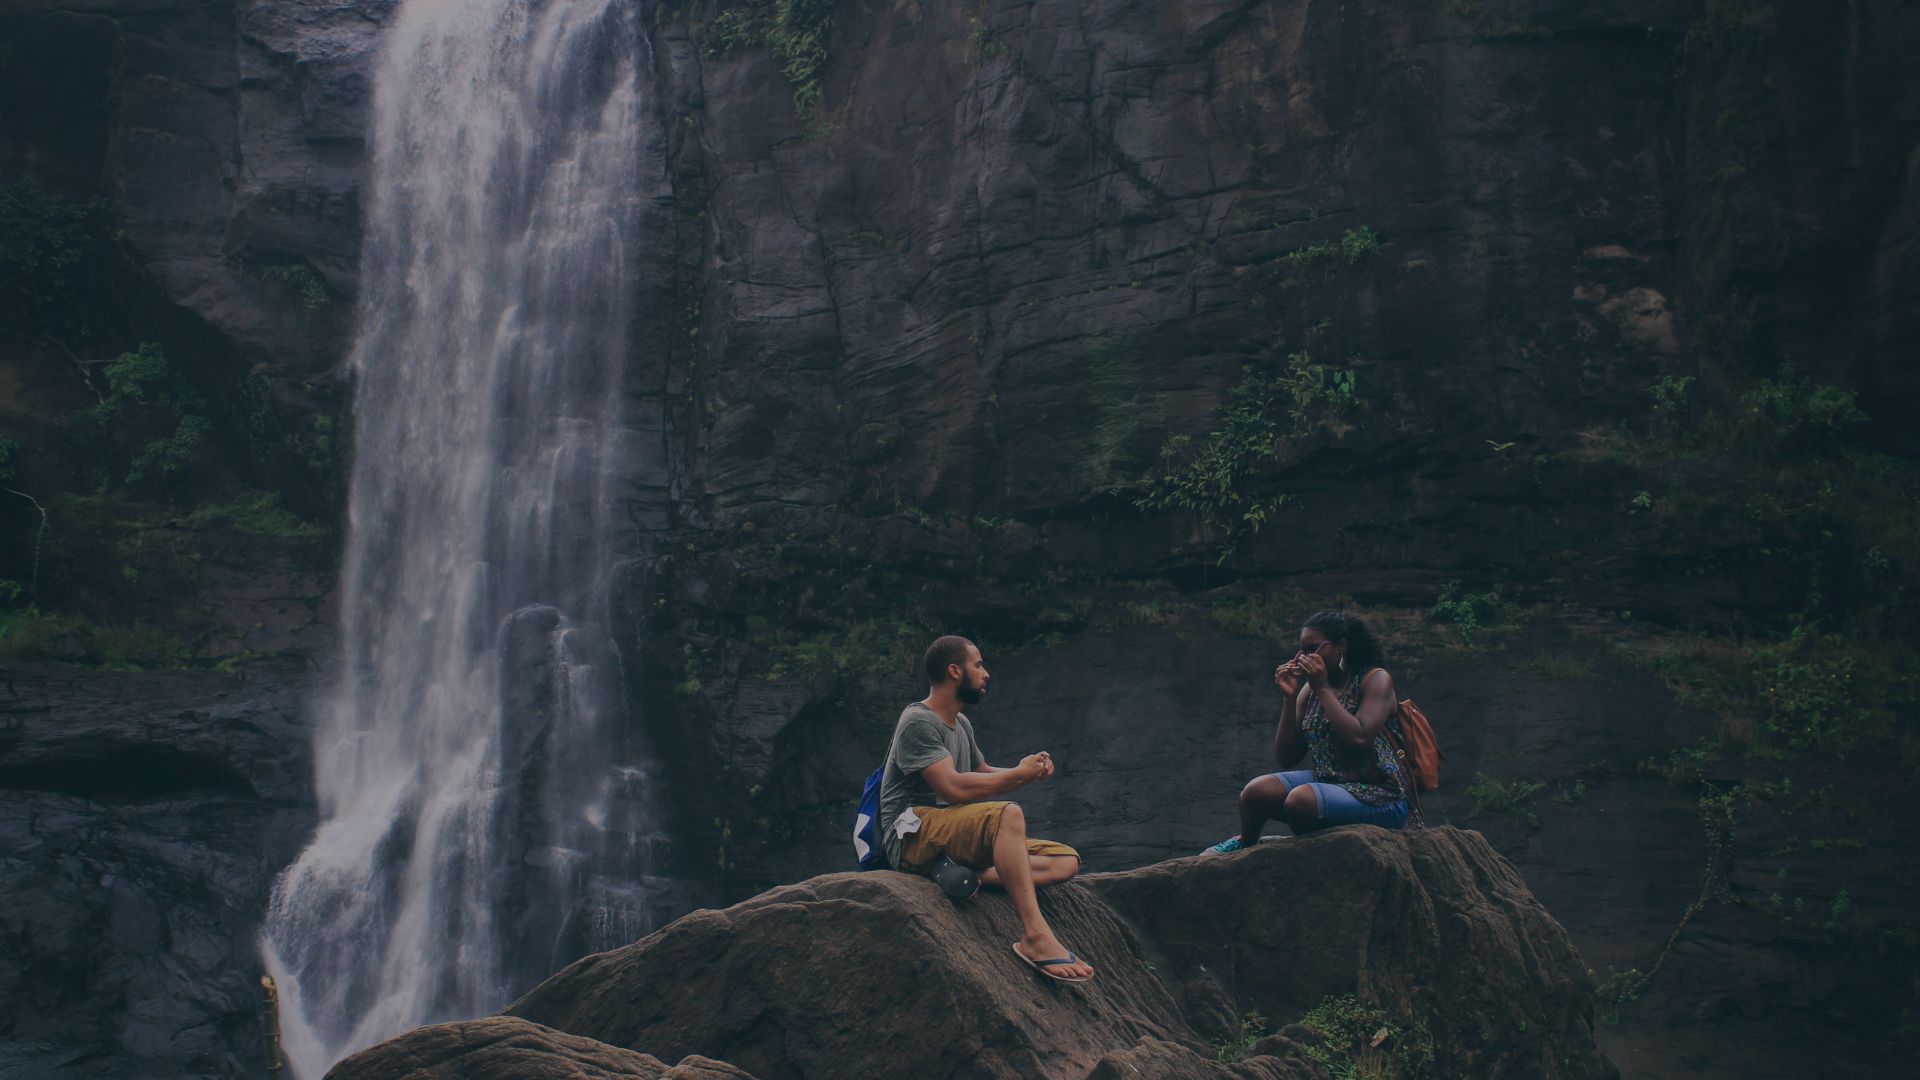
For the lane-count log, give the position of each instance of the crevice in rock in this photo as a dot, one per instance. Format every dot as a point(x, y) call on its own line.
point(128, 776)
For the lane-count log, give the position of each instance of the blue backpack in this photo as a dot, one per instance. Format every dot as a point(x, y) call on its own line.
point(866, 826)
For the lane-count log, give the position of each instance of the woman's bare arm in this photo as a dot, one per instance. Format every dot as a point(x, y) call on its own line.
point(1288, 744)
point(1376, 704)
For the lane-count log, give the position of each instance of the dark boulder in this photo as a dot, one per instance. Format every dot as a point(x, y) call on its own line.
point(505, 1048)
point(880, 975)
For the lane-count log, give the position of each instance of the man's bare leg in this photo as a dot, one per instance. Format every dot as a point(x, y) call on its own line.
point(1013, 871)
point(1047, 870)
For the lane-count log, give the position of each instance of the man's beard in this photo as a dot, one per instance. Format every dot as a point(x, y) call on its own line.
point(968, 693)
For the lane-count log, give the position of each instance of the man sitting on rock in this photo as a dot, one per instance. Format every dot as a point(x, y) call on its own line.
point(933, 805)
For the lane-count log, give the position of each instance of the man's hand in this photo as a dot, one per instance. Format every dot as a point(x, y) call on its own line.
point(1315, 669)
point(1287, 677)
point(1036, 766)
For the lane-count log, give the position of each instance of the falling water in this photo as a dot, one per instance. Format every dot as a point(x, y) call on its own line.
point(482, 819)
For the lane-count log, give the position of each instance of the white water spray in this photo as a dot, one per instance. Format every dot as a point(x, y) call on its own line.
point(482, 817)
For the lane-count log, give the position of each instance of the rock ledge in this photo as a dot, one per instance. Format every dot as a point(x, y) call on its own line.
point(880, 975)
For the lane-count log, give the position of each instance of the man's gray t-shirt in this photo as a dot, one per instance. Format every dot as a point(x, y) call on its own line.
point(919, 740)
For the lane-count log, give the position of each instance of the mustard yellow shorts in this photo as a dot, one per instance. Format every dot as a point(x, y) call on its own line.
point(964, 834)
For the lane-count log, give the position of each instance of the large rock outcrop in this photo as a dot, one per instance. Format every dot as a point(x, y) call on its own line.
point(142, 818)
point(881, 975)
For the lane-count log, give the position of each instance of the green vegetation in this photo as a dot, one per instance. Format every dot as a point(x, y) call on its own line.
point(147, 431)
point(1253, 1028)
point(45, 242)
point(1474, 613)
point(1228, 478)
point(1316, 395)
point(1361, 1042)
point(1218, 479)
point(984, 41)
point(1670, 404)
point(1834, 530)
point(260, 514)
point(1511, 798)
point(1224, 479)
point(1799, 415)
point(301, 445)
point(29, 633)
point(1827, 918)
point(796, 32)
point(1353, 247)
point(1569, 794)
point(119, 569)
point(1809, 691)
point(302, 283)
point(1717, 812)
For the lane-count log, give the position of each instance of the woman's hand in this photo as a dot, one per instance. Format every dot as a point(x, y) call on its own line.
point(1287, 677)
point(1315, 669)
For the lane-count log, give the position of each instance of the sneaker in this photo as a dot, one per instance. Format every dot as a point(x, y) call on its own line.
point(957, 881)
point(1226, 847)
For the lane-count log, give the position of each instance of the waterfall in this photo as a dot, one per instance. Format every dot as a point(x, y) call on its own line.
point(483, 813)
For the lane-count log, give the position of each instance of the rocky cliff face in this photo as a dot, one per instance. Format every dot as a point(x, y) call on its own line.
point(1431, 935)
point(142, 818)
point(920, 357)
point(938, 329)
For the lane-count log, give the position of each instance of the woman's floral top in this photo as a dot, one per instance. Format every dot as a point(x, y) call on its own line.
point(1373, 775)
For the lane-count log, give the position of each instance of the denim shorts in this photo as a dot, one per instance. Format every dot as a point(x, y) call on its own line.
point(1339, 807)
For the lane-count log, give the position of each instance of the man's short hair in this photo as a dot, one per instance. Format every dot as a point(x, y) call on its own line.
point(951, 649)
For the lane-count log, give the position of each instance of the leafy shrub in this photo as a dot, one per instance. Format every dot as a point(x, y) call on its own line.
point(149, 429)
point(301, 280)
point(44, 244)
point(795, 30)
point(259, 514)
point(1217, 479)
point(1360, 1042)
point(1353, 247)
point(1810, 686)
point(1253, 1027)
point(1472, 613)
point(1810, 690)
point(1214, 478)
point(1791, 410)
point(1510, 798)
point(27, 632)
point(1671, 395)
point(1316, 394)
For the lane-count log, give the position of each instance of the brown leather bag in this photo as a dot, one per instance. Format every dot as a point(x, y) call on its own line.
point(1412, 735)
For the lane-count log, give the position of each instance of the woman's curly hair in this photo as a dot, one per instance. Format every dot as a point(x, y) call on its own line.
point(1363, 652)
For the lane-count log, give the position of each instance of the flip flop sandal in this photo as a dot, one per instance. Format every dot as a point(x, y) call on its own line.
point(1045, 967)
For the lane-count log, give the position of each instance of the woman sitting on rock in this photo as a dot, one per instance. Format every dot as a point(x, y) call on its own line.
point(1339, 701)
